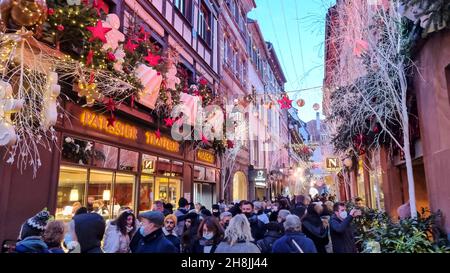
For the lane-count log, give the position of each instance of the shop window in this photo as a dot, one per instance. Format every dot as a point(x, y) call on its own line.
point(128, 160)
point(204, 194)
point(163, 167)
point(76, 150)
point(167, 190)
point(148, 164)
point(199, 173)
point(177, 168)
point(123, 192)
point(105, 156)
point(100, 192)
point(146, 190)
point(210, 174)
point(71, 191)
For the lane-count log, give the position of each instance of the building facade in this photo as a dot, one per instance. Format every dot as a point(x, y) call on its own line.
point(98, 166)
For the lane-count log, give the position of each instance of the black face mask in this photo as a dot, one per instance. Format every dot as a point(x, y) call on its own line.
point(225, 225)
point(248, 214)
point(216, 214)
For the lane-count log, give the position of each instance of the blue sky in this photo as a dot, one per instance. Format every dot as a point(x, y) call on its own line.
point(296, 29)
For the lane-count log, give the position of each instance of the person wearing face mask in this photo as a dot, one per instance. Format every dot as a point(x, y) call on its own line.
point(151, 238)
point(216, 211)
point(119, 232)
point(341, 229)
point(315, 227)
point(257, 226)
point(225, 218)
point(210, 234)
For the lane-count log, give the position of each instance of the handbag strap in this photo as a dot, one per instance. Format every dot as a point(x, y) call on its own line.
point(297, 246)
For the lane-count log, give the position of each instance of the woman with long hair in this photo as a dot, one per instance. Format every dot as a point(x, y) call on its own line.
point(189, 235)
point(238, 237)
point(210, 234)
point(316, 228)
point(119, 232)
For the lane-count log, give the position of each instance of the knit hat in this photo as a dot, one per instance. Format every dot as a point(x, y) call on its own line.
point(171, 217)
point(39, 221)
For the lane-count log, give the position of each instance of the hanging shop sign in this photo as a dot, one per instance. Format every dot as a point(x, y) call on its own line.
point(259, 176)
point(206, 156)
point(100, 123)
point(332, 163)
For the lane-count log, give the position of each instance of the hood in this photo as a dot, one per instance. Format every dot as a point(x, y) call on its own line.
point(89, 228)
point(32, 244)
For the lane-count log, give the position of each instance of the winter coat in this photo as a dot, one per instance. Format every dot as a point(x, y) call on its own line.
point(115, 241)
point(154, 242)
point(202, 245)
point(266, 243)
point(286, 243)
point(342, 235)
point(57, 250)
point(313, 228)
point(299, 210)
point(31, 244)
point(263, 217)
point(239, 247)
point(257, 227)
point(180, 223)
point(89, 228)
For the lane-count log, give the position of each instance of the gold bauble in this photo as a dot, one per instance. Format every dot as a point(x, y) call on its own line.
point(29, 12)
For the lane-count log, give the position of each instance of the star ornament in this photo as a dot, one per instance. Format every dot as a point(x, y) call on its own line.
point(230, 144)
point(204, 139)
point(153, 60)
point(130, 46)
point(98, 32)
point(100, 5)
point(158, 134)
point(285, 103)
point(111, 120)
point(169, 122)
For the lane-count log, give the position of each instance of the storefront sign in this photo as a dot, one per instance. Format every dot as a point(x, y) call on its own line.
point(332, 163)
point(163, 142)
point(206, 156)
point(100, 122)
point(259, 177)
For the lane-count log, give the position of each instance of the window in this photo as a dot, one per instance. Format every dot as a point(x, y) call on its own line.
point(128, 161)
point(123, 192)
point(447, 76)
point(100, 192)
point(163, 167)
point(185, 8)
point(204, 23)
point(76, 150)
point(71, 191)
point(146, 193)
point(225, 50)
point(105, 156)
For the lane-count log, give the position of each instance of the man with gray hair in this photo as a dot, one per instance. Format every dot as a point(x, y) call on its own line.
point(259, 210)
point(225, 218)
point(293, 240)
point(282, 214)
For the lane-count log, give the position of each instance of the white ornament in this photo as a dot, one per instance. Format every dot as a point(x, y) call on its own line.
point(8, 105)
point(49, 112)
point(114, 36)
point(151, 80)
point(120, 58)
point(171, 78)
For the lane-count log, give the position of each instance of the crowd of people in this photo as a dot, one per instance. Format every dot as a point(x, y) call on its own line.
point(300, 225)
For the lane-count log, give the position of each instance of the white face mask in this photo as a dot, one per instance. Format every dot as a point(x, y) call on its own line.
point(208, 235)
point(343, 214)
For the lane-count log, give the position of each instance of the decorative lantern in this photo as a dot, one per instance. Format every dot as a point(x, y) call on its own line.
point(300, 102)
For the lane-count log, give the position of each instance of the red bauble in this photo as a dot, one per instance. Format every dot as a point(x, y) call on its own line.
point(60, 27)
point(50, 11)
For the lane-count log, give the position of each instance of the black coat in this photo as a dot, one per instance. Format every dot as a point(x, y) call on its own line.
point(257, 226)
point(174, 240)
point(155, 242)
point(89, 228)
point(267, 242)
point(342, 235)
point(317, 233)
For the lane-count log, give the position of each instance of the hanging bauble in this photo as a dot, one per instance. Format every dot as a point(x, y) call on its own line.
point(28, 12)
point(300, 102)
point(316, 107)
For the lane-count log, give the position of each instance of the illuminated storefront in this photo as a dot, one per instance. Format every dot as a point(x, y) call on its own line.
point(105, 168)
